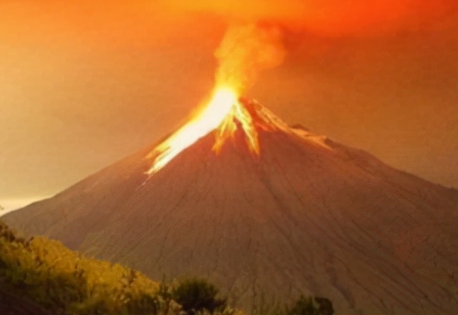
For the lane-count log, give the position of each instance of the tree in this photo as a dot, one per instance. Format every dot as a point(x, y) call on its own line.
point(196, 295)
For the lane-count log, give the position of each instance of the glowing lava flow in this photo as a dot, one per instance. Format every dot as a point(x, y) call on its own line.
point(238, 116)
point(221, 114)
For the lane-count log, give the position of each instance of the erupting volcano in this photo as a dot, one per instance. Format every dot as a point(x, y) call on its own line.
point(244, 51)
point(267, 212)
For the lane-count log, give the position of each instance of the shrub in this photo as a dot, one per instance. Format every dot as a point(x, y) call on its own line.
point(62, 281)
point(196, 295)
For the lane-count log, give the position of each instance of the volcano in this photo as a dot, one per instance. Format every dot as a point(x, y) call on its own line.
point(304, 215)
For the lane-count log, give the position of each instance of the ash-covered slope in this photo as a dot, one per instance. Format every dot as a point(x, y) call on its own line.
point(307, 216)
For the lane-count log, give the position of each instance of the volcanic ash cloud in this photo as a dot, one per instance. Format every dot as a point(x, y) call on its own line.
point(244, 51)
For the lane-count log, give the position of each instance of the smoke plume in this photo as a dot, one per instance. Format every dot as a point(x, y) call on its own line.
point(254, 39)
point(244, 51)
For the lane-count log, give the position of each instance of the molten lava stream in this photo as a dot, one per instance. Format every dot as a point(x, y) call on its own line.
point(221, 115)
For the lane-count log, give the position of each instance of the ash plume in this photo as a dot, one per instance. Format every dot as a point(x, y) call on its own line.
point(256, 28)
point(244, 51)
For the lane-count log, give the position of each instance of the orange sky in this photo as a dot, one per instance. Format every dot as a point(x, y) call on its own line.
point(142, 21)
point(83, 83)
point(329, 17)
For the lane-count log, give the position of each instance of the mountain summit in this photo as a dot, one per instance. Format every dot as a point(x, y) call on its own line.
point(304, 215)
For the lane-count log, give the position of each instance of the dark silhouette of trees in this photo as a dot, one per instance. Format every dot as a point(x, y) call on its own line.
point(195, 295)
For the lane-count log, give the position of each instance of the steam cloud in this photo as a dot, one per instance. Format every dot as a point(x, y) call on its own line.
point(244, 51)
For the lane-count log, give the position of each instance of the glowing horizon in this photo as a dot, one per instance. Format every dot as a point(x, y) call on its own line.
point(11, 204)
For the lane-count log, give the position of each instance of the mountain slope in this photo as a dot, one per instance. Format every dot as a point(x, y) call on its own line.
point(307, 216)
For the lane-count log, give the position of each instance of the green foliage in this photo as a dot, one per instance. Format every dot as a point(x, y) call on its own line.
point(196, 295)
point(310, 306)
point(66, 282)
point(70, 283)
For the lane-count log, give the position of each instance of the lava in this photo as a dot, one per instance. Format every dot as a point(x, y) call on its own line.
point(223, 114)
point(238, 116)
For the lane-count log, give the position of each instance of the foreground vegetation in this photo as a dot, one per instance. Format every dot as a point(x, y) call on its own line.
point(61, 281)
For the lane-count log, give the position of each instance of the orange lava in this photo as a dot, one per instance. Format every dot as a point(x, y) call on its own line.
point(222, 115)
point(238, 116)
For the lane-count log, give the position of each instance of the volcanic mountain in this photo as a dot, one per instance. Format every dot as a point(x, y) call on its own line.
point(304, 216)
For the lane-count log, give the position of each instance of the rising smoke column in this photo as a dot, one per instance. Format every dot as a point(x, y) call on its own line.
point(253, 40)
point(245, 50)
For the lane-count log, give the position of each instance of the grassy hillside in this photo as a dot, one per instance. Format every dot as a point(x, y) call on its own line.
point(46, 272)
point(41, 276)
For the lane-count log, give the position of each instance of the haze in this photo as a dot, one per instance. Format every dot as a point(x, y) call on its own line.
point(85, 84)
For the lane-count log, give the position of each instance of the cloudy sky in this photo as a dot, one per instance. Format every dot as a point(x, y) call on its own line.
point(85, 83)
